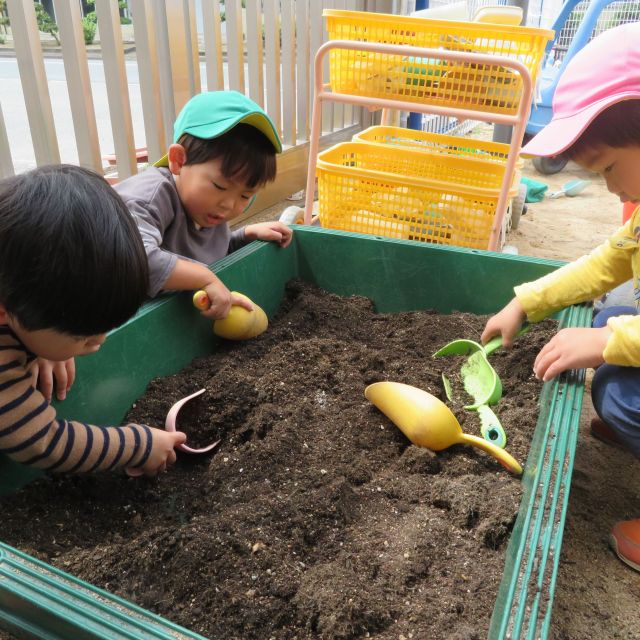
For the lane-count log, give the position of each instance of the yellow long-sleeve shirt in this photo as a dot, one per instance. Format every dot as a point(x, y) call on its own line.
point(31, 434)
point(612, 263)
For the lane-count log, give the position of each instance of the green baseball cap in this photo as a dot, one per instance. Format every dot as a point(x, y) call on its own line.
point(212, 113)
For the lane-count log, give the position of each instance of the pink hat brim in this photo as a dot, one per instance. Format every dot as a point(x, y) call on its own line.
point(562, 132)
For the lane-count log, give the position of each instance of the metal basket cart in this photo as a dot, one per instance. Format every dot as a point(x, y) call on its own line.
point(468, 70)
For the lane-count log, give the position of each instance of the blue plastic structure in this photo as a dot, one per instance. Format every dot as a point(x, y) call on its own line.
point(579, 22)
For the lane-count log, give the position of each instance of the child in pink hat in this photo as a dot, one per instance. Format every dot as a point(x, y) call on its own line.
point(596, 123)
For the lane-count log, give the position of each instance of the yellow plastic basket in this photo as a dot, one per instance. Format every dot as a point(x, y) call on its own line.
point(482, 150)
point(485, 88)
point(405, 193)
point(429, 142)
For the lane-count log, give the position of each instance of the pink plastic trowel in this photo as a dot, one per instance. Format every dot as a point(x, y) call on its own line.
point(170, 425)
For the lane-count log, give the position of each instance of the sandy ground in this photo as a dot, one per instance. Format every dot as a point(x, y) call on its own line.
point(596, 594)
point(566, 228)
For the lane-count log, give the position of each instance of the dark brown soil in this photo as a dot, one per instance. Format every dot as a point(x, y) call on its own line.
point(316, 517)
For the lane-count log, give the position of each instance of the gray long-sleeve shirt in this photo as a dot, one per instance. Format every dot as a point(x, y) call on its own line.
point(167, 231)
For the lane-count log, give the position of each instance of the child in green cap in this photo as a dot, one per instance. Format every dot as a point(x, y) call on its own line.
point(223, 152)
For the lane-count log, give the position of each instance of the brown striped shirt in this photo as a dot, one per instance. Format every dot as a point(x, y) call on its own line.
point(31, 434)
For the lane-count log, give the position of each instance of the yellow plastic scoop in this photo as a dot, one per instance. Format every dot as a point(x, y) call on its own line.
point(428, 422)
point(240, 324)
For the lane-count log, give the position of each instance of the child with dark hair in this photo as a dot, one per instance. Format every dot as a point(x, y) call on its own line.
point(223, 152)
point(72, 267)
point(596, 123)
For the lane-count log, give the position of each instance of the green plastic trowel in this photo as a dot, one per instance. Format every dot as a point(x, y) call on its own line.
point(480, 381)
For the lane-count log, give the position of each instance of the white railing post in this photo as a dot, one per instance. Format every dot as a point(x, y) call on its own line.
point(272, 59)
point(213, 45)
point(117, 87)
point(195, 84)
point(76, 70)
point(254, 51)
point(288, 78)
point(6, 163)
point(235, 44)
point(183, 75)
point(148, 73)
point(26, 37)
point(303, 64)
point(167, 98)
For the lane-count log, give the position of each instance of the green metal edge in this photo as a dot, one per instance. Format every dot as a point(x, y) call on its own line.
point(525, 598)
point(33, 590)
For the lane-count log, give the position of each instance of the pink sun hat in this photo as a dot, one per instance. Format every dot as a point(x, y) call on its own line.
point(606, 71)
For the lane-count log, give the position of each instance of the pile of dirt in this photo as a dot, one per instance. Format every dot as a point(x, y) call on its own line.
point(316, 517)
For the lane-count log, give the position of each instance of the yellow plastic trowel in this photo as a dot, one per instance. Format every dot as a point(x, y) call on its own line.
point(428, 422)
point(240, 324)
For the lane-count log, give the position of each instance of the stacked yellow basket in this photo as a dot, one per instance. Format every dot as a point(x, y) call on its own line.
point(410, 184)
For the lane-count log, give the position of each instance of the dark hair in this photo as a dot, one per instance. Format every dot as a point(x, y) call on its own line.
point(617, 126)
point(247, 154)
point(71, 256)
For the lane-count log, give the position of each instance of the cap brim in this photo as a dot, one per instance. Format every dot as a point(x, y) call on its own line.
point(255, 119)
point(561, 133)
point(163, 162)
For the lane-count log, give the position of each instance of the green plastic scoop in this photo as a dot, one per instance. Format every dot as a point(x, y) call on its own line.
point(480, 381)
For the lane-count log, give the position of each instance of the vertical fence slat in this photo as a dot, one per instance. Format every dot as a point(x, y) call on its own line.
point(192, 30)
point(254, 51)
point(117, 86)
point(235, 44)
point(272, 57)
point(6, 162)
point(303, 63)
point(288, 80)
point(318, 36)
point(179, 43)
point(212, 45)
point(22, 16)
point(165, 76)
point(148, 66)
point(76, 70)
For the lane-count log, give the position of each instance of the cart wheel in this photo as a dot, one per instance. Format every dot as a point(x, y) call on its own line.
point(517, 206)
point(550, 165)
point(292, 215)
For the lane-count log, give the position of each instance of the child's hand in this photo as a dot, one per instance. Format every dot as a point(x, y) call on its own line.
point(505, 323)
point(162, 454)
point(221, 299)
point(64, 373)
point(571, 349)
point(274, 231)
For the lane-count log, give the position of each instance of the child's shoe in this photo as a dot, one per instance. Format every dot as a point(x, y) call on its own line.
point(602, 431)
point(625, 541)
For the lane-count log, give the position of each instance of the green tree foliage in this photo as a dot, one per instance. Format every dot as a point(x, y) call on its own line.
point(89, 27)
point(45, 23)
point(122, 4)
point(4, 20)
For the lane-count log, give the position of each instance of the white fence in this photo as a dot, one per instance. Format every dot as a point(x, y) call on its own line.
point(265, 50)
point(116, 103)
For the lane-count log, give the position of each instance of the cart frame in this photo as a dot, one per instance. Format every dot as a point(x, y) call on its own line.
point(323, 93)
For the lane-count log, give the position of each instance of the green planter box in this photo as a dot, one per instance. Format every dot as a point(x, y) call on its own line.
point(38, 601)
